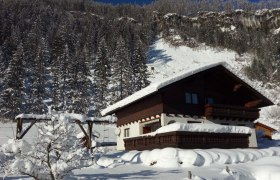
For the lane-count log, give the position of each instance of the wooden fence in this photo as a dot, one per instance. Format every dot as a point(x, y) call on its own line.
point(188, 140)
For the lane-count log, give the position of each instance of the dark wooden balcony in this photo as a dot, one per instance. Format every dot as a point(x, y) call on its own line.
point(188, 140)
point(231, 112)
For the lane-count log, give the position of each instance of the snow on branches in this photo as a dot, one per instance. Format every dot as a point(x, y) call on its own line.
point(55, 152)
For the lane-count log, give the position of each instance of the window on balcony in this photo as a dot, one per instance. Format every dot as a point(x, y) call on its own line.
point(191, 98)
point(126, 132)
point(209, 100)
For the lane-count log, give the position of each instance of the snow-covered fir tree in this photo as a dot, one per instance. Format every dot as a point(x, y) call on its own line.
point(101, 75)
point(12, 94)
point(82, 85)
point(31, 56)
point(59, 53)
point(121, 79)
point(139, 67)
point(38, 87)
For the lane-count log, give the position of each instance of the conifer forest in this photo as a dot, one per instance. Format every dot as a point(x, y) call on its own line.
point(81, 56)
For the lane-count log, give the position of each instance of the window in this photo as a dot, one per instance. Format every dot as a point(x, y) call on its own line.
point(126, 132)
point(191, 98)
point(209, 100)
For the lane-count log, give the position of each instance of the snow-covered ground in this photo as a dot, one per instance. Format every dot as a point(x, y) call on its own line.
point(171, 163)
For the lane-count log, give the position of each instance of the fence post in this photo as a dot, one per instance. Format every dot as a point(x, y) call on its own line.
point(189, 174)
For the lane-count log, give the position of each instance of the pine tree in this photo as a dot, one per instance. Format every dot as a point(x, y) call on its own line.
point(38, 92)
point(59, 54)
point(31, 44)
point(82, 84)
point(12, 94)
point(140, 75)
point(101, 75)
point(2, 68)
point(121, 79)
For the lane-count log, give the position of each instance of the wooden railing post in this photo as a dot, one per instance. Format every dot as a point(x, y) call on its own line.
point(19, 127)
point(85, 133)
point(90, 123)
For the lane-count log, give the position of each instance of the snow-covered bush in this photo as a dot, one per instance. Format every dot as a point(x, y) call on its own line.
point(53, 155)
point(3, 161)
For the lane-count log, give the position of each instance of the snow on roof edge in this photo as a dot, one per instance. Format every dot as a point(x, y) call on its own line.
point(266, 122)
point(66, 116)
point(205, 127)
point(156, 86)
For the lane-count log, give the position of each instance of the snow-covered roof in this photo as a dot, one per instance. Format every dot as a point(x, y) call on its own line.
point(209, 128)
point(158, 85)
point(66, 117)
point(33, 116)
point(266, 122)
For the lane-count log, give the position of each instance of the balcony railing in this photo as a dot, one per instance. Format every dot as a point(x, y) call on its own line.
point(231, 112)
point(188, 140)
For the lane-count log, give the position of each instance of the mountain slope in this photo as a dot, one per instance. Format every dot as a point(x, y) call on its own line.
point(166, 60)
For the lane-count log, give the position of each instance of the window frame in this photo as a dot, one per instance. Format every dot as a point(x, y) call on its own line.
point(209, 98)
point(126, 132)
point(191, 98)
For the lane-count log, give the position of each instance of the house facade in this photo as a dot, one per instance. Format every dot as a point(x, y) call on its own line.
point(212, 94)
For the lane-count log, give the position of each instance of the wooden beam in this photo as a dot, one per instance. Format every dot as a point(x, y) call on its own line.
point(252, 104)
point(19, 127)
point(25, 131)
point(85, 133)
point(236, 87)
point(90, 123)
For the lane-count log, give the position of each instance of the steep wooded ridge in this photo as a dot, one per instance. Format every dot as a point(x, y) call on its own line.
point(255, 32)
point(81, 56)
point(57, 53)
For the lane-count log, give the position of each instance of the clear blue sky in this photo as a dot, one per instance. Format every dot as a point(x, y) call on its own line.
point(141, 2)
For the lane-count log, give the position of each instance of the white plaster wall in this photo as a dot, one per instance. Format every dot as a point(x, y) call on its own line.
point(166, 119)
point(233, 123)
point(253, 139)
point(134, 130)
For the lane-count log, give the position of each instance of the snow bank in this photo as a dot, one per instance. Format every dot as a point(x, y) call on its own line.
point(15, 146)
point(202, 127)
point(105, 162)
point(174, 157)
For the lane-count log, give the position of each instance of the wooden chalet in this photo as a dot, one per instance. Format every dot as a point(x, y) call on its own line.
point(212, 94)
point(267, 128)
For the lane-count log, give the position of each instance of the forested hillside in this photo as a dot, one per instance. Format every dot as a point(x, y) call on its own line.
point(80, 56)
